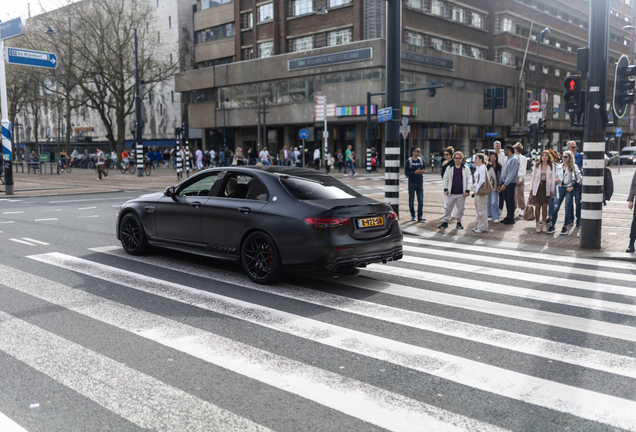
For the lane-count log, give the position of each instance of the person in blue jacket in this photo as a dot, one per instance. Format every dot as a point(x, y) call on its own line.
point(414, 168)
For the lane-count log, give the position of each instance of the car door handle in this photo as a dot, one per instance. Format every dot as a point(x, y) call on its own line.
point(244, 210)
point(195, 204)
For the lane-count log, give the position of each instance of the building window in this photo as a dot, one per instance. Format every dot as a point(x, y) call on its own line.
point(507, 59)
point(437, 44)
point(339, 37)
point(477, 53)
point(266, 12)
point(218, 32)
point(545, 69)
point(556, 106)
point(207, 4)
point(416, 4)
point(415, 39)
point(557, 72)
point(265, 49)
point(247, 20)
point(302, 7)
point(247, 53)
point(303, 43)
point(334, 3)
point(458, 48)
point(477, 20)
point(438, 7)
point(458, 14)
point(507, 25)
point(531, 66)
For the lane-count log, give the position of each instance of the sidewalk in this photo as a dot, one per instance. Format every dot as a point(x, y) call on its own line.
point(616, 216)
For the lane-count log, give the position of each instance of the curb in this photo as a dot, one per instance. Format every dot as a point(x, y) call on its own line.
point(66, 194)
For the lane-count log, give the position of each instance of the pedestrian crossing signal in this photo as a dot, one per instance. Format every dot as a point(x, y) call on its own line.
point(573, 96)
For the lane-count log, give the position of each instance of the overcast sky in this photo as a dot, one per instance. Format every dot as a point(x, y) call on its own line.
point(20, 8)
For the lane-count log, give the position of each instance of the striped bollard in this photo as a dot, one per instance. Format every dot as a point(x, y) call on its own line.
point(139, 158)
point(187, 159)
point(392, 175)
point(368, 159)
point(592, 194)
point(176, 155)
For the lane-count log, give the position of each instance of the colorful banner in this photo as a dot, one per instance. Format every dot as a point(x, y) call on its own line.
point(409, 111)
point(358, 110)
point(446, 131)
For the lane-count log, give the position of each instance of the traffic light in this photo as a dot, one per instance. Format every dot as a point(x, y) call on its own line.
point(623, 86)
point(374, 130)
point(431, 92)
point(541, 125)
point(531, 131)
point(574, 102)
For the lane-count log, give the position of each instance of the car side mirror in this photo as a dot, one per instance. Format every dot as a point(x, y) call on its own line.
point(169, 191)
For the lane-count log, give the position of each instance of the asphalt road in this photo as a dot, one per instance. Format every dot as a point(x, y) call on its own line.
point(453, 337)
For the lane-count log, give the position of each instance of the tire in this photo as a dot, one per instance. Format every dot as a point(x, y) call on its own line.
point(92, 165)
point(132, 168)
point(147, 170)
point(69, 167)
point(122, 169)
point(261, 260)
point(132, 235)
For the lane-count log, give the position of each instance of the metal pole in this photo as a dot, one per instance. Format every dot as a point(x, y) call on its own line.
point(7, 150)
point(594, 132)
point(302, 154)
point(258, 113)
point(265, 124)
point(536, 85)
point(393, 68)
point(368, 132)
point(139, 147)
point(325, 134)
point(492, 128)
point(224, 140)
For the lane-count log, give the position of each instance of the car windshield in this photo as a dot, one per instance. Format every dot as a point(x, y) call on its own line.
point(317, 188)
point(627, 152)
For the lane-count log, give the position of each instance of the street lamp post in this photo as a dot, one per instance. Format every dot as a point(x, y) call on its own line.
point(139, 148)
point(540, 35)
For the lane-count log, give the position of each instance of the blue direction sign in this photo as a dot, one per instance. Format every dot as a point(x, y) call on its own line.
point(31, 58)
point(303, 134)
point(619, 132)
point(492, 134)
point(385, 114)
point(11, 29)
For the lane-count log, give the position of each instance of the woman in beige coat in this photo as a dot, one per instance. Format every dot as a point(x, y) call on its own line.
point(542, 188)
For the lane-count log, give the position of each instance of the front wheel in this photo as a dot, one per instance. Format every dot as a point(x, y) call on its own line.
point(261, 260)
point(68, 168)
point(147, 170)
point(132, 235)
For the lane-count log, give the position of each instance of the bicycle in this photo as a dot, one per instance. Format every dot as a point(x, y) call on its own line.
point(66, 167)
point(147, 168)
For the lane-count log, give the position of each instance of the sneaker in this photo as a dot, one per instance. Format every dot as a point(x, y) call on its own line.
point(489, 219)
point(578, 223)
point(459, 225)
point(496, 221)
point(509, 222)
point(549, 221)
point(99, 179)
point(355, 174)
point(443, 225)
point(413, 219)
point(478, 231)
point(564, 231)
point(521, 213)
point(422, 220)
point(551, 230)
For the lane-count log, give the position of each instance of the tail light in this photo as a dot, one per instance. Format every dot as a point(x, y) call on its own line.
point(392, 216)
point(320, 222)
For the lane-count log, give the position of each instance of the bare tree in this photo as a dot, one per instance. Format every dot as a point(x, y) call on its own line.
point(104, 37)
point(17, 89)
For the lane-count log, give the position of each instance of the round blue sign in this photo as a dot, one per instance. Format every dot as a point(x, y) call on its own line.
point(303, 134)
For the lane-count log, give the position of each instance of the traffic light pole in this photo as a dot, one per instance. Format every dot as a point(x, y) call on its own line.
point(139, 147)
point(393, 70)
point(594, 133)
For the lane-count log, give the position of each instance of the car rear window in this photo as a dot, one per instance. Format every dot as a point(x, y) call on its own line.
point(317, 188)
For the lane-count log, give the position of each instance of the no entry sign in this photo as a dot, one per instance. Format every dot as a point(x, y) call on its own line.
point(535, 106)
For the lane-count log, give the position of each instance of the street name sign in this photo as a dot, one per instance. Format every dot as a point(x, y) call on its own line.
point(11, 29)
point(533, 117)
point(385, 114)
point(31, 58)
point(492, 134)
point(535, 106)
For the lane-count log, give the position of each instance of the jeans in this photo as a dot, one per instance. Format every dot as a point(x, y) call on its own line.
point(349, 165)
point(577, 201)
point(493, 205)
point(265, 162)
point(568, 197)
point(419, 191)
point(509, 196)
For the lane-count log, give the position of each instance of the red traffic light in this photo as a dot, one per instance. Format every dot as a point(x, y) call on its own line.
point(572, 85)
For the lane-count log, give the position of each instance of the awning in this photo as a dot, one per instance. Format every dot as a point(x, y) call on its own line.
point(154, 143)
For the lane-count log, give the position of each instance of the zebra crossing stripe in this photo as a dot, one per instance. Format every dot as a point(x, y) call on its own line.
point(560, 397)
point(593, 359)
point(8, 425)
point(472, 258)
point(536, 316)
point(519, 253)
point(360, 400)
point(112, 384)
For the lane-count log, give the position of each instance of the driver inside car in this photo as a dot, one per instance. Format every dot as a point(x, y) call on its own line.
point(230, 187)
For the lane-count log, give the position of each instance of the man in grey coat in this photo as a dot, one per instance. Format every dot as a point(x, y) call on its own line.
point(509, 177)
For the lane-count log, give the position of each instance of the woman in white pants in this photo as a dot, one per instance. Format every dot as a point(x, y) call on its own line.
point(481, 201)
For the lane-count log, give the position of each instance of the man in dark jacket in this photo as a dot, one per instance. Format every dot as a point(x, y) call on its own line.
point(413, 169)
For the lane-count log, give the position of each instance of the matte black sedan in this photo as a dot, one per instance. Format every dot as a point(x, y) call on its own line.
point(270, 218)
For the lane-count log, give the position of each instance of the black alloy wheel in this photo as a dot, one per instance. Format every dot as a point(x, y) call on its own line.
point(132, 235)
point(261, 260)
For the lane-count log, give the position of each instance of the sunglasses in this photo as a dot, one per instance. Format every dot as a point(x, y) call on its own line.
point(566, 157)
point(446, 154)
point(458, 158)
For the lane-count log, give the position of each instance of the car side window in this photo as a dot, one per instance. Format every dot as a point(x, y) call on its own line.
point(257, 191)
point(236, 186)
point(200, 187)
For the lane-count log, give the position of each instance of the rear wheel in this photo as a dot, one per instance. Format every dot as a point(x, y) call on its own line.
point(68, 167)
point(147, 169)
point(132, 235)
point(261, 260)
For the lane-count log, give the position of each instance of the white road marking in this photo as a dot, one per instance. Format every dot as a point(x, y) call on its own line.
point(8, 425)
point(6, 222)
point(52, 210)
point(91, 199)
point(357, 399)
point(520, 253)
point(35, 241)
point(607, 362)
point(116, 205)
point(49, 219)
point(86, 208)
point(10, 200)
point(137, 397)
point(84, 217)
point(522, 276)
point(22, 241)
point(571, 400)
point(15, 212)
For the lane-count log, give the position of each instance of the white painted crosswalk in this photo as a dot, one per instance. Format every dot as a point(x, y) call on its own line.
point(555, 324)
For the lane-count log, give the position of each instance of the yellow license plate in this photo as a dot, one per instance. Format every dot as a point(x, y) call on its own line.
point(370, 222)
